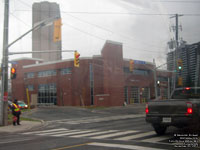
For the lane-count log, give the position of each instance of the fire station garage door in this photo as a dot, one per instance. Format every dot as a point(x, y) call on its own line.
point(134, 94)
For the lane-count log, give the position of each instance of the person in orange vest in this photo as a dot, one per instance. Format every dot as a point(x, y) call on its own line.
point(16, 112)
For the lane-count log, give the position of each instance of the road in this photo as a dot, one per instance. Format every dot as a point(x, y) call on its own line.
point(70, 128)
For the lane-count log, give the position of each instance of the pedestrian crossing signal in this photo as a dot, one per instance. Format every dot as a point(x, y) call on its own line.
point(76, 59)
point(13, 73)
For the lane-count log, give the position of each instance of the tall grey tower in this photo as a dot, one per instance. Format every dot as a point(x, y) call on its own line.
point(42, 39)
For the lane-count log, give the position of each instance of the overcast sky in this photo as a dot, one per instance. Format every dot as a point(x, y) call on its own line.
point(141, 25)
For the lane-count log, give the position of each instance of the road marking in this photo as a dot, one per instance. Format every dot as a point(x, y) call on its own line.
point(131, 137)
point(51, 130)
point(57, 132)
point(156, 139)
point(58, 135)
point(67, 147)
point(96, 133)
point(97, 119)
point(16, 140)
point(132, 147)
point(113, 134)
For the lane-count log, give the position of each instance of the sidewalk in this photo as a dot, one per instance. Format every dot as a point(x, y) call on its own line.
point(25, 125)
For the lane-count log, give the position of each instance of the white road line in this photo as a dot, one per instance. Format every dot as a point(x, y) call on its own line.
point(96, 119)
point(96, 133)
point(131, 137)
point(156, 139)
point(16, 140)
point(51, 130)
point(64, 134)
point(132, 147)
point(58, 132)
point(113, 134)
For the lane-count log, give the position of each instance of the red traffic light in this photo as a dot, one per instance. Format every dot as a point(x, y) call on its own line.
point(77, 55)
point(13, 73)
point(13, 70)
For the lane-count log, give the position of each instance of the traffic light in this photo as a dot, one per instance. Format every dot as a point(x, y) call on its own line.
point(76, 59)
point(13, 73)
point(158, 83)
point(180, 64)
point(57, 30)
point(131, 65)
point(180, 81)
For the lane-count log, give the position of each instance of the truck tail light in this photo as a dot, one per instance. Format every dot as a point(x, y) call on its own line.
point(147, 109)
point(189, 111)
point(189, 108)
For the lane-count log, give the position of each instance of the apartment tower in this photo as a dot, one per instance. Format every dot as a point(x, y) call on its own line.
point(42, 38)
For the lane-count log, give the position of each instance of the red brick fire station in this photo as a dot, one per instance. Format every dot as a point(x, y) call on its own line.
point(103, 80)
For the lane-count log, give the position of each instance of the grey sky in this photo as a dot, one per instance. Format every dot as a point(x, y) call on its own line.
point(144, 36)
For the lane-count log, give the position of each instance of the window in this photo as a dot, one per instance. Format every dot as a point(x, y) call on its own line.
point(66, 71)
point(47, 93)
point(162, 78)
point(140, 72)
point(47, 73)
point(136, 71)
point(30, 87)
point(30, 75)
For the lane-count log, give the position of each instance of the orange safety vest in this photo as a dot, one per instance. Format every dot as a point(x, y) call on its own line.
point(17, 109)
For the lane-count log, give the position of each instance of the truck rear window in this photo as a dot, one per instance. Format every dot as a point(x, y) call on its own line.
point(186, 93)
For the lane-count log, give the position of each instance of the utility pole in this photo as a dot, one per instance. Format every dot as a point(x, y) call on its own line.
point(155, 79)
point(176, 28)
point(4, 93)
point(4, 90)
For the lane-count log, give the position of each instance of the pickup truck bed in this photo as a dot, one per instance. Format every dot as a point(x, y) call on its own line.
point(178, 112)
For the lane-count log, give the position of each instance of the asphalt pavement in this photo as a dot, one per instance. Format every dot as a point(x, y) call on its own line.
point(36, 113)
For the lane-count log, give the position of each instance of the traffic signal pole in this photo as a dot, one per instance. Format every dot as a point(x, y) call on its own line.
point(4, 91)
point(4, 84)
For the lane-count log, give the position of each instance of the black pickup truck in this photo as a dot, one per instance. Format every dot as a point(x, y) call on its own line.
point(181, 110)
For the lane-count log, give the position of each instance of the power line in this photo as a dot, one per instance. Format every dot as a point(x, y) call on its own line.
point(100, 27)
point(106, 39)
point(108, 30)
point(20, 20)
point(181, 1)
point(114, 13)
point(84, 32)
point(93, 25)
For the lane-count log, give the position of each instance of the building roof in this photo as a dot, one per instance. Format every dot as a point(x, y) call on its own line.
point(54, 62)
point(27, 58)
point(113, 42)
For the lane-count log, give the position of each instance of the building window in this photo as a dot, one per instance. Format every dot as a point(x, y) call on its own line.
point(47, 93)
point(126, 70)
point(30, 75)
point(140, 72)
point(47, 73)
point(66, 71)
point(30, 87)
point(136, 71)
point(159, 78)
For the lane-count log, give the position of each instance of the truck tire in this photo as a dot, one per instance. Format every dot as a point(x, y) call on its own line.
point(159, 129)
